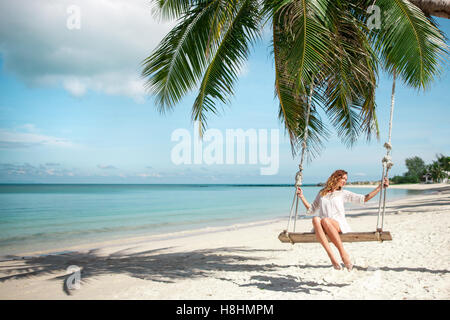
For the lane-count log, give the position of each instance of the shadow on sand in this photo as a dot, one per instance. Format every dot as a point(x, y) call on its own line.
point(168, 267)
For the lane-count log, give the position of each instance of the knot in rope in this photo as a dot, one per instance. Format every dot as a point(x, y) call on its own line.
point(388, 146)
point(298, 178)
point(387, 162)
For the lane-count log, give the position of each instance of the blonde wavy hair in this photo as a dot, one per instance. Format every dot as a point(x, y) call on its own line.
point(332, 181)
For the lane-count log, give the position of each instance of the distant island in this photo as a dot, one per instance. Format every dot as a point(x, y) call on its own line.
point(364, 182)
point(354, 183)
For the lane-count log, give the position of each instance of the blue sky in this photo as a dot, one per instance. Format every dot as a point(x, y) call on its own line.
point(73, 108)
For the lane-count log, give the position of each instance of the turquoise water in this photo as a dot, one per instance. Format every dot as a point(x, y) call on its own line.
point(39, 217)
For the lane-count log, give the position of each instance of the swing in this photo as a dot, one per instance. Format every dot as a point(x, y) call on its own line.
point(378, 235)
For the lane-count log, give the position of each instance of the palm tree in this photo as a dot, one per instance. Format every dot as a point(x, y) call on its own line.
point(322, 53)
point(325, 57)
point(443, 162)
point(436, 172)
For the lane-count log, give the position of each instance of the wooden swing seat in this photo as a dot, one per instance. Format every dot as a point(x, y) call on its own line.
point(310, 237)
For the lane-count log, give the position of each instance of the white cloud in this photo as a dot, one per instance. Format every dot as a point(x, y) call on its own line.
point(29, 127)
point(52, 164)
point(103, 55)
point(14, 139)
point(106, 166)
point(149, 175)
point(74, 86)
point(8, 169)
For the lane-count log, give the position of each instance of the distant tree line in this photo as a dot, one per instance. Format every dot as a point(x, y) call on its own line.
point(418, 171)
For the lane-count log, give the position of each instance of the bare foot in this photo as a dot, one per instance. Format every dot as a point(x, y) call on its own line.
point(337, 266)
point(347, 262)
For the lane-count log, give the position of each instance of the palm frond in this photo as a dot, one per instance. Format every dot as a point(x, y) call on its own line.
point(350, 84)
point(310, 39)
point(293, 106)
point(177, 64)
point(173, 9)
point(294, 118)
point(409, 43)
point(239, 33)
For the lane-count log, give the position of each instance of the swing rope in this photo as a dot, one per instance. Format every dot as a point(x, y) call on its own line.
point(299, 175)
point(386, 162)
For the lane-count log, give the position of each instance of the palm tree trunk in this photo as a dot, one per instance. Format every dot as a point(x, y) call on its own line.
point(438, 8)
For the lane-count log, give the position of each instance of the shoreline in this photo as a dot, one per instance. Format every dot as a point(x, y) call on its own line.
point(139, 240)
point(407, 186)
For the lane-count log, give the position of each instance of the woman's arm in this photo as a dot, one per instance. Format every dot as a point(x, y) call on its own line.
point(373, 193)
point(302, 197)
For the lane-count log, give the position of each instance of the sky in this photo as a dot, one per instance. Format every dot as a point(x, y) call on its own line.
point(73, 108)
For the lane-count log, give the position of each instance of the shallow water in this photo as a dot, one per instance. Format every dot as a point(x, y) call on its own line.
point(39, 217)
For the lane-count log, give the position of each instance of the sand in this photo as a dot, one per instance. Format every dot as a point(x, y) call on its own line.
point(249, 262)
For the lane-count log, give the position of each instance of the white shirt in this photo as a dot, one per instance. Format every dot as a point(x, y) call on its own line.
point(332, 206)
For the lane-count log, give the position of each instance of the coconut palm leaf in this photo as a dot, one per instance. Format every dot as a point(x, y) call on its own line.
point(239, 32)
point(350, 84)
point(293, 106)
point(304, 23)
point(294, 119)
point(177, 64)
point(409, 43)
point(344, 83)
point(173, 9)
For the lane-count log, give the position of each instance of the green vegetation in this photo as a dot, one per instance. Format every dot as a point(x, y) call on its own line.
point(326, 54)
point(418, 171)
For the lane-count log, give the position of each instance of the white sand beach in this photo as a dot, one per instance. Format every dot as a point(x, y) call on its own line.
point(249, 262)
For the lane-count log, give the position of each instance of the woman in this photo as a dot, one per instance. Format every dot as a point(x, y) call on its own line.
point(331, 220)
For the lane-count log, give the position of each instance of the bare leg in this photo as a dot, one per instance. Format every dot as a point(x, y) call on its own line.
point(321, 236)
point(332, 229)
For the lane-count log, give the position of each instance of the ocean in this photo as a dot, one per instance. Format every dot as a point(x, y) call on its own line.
point(42, 217)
